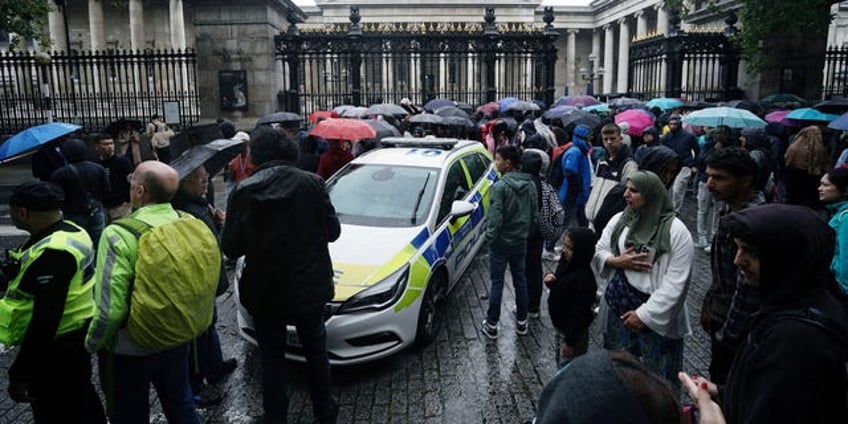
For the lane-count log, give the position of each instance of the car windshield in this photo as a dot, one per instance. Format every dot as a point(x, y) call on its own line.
point(383, 195)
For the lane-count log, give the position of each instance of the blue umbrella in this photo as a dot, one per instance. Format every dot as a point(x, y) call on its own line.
point(29, 139)
point(664, 103)
point(723, 115)
point(810, 114)
point(505, 102)
point(601, 108)
point(840, 123)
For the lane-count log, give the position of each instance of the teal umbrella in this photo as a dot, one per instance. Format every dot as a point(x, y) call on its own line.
point(601, 108)
point(723, 115)
point(810, 114)
point(665, 103)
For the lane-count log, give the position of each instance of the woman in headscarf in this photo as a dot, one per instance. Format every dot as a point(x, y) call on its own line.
point(833, 192)
point(807, 160)
point(791, 366)
point(645, 256)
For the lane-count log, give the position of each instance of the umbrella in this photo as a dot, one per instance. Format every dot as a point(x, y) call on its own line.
point(342, 108)
point(579, 117)
point(697, 105)
point(780, 116)
point(31, 138)
point(215, 155)
point(505, 102)
point(278, 117)
point(637, 120)
point(840, 123)
point(193, 136)
point(427, 118)
point(114, 128)
point(523, 106)
point(664, 103)
point(322, 114)
point(556, 112)
point(459, 122)
point(343, 129)
point(600, 108)
point(810, 114)
point(354, 112)
point(723, 115)
point(621, 101)
point(467, 108)
point(748, 105)
point(577, 101)
point(382, 128)
point(436, 104)
point(488, 108)
point(783, 98)
point(837, 106)
point(451, 111)
point(386, 109)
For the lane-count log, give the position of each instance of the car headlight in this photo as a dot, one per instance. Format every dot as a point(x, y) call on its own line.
point(380, 295)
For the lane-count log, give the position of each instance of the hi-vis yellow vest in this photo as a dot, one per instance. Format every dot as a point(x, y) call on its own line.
point(16, 306)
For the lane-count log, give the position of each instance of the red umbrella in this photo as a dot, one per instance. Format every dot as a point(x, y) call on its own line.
point(322, 114)
point(343, 129)
point(637, 119)
point(488, 108)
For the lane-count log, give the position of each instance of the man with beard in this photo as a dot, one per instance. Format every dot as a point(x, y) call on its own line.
point(686, 146)
point(116, 200)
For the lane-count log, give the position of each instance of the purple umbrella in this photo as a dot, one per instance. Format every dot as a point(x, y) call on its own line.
point(437, 104)
point(577, 101)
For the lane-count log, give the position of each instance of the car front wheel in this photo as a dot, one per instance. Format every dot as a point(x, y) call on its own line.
point(429, 317)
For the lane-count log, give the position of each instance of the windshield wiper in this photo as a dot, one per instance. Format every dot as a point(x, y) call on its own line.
point(418, 201)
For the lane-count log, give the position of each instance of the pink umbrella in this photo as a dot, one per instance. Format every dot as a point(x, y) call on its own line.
point(577, 101)
point(780, 116)
point(637, 119)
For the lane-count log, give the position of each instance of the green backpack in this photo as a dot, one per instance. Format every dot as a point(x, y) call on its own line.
point(176, 276)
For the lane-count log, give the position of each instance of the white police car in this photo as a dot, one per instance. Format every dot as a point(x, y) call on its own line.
point(413, 218)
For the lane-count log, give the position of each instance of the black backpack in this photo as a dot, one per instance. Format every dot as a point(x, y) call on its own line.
point(555, 175)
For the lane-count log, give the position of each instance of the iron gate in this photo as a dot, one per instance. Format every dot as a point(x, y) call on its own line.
point(695, 65)
point(335, 64)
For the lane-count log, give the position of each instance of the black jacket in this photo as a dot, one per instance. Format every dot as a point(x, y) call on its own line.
point(573, 292)
point(281, 219)
point(789, 370)
point(118, 168)
point(198, 207)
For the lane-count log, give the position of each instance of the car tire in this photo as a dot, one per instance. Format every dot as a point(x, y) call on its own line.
point(429, 317)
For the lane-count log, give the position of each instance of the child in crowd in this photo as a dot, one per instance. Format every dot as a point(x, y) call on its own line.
point(573, 292)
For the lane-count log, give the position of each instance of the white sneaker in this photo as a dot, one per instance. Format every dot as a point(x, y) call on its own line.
point(549, 255)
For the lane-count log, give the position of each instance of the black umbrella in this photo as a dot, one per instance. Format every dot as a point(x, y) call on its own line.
point(465, 107)
point(215, 155)
point(279, 117)
point(114, 128)
point(386, 109)
point(459, 122)
point(579, 117)
point(383, 129)
point(194, 136)
point(451, 111)
point(836, 106)
point(427, 118)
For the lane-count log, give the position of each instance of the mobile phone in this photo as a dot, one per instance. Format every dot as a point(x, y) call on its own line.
point(650, 251)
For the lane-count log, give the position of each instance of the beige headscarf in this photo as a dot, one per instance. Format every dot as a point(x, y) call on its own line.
point(807, 152)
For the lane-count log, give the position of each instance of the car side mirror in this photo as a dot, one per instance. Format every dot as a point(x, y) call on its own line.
point(461, 208)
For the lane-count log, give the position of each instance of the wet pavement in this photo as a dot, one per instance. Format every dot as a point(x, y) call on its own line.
point(462, 377)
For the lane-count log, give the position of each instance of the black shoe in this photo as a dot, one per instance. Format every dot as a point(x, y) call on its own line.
point(227, 367)
point(207, 397)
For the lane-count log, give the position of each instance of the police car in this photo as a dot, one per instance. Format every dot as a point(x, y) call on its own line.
point(413, 216)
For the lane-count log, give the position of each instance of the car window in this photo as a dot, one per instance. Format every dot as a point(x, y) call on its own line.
point(383, 195)
point(456, 187)
point(477, 165)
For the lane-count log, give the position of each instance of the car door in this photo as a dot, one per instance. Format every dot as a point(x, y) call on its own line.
point(471, 231)
point(449, 234)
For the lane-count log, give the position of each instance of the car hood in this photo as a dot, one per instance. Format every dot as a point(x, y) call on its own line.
point(363, 256)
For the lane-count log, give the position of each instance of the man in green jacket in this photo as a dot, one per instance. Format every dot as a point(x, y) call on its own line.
point(513, 214)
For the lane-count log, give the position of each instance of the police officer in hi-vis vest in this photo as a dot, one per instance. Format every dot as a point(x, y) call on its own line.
point(46, 309)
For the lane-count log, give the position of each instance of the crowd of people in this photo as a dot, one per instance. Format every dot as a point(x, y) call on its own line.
point(771, 207)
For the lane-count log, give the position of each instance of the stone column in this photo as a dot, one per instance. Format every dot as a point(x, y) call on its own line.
point(136, 24)
point(57, 28)
point(177, 24)
point(571, 61)
point(662, 19)
point(95, 24)
point(596, 45)
point(608, 61)
point(623, 54)
point(641, 23)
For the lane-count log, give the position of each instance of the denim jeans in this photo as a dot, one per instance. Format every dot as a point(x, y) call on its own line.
point(678, 189)
point(168, 371)
point(92, 223)
point(271, 336)
point(707, 213)
point(662, 355)
point(499, 257)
